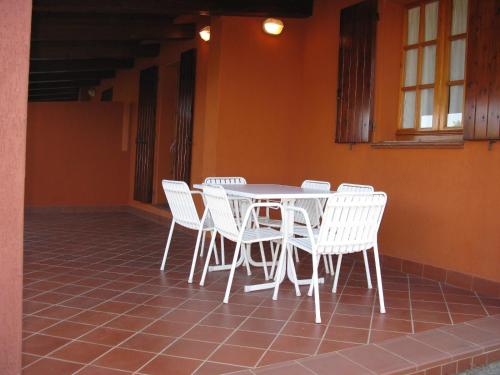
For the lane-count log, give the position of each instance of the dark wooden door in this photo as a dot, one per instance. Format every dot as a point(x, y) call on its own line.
point(358, 26)
point(185, 108)
point(145, 140)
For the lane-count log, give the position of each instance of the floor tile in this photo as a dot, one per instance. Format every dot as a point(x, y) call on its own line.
point(78, 351)
point(237, 355)
point(163, 364)
point(124, 359)
point(52, 367)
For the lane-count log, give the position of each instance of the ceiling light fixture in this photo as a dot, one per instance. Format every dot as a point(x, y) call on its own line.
point(273, 26)
point(205, 33)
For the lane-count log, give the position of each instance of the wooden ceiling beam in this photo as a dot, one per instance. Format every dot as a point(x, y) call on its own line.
point(92, 49)
point(41, 66)
point(258, 8)
point(107, 28)
point(49, 93)
point(71, 76)
point(64, 84)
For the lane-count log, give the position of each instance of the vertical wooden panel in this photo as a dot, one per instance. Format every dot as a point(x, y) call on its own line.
point(482, 96)
point(356, 72)
point(184, 127)
point(145, 141)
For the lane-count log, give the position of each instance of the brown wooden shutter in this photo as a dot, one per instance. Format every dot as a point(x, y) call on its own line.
point(358, 25)
point(146, 133)
point(184, 127)
point(482, 94)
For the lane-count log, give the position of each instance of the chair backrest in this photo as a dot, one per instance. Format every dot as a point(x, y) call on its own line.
point(181, 203)
point(354, 188)
point(221, 211)
point(314, 207)
point(225, 180)
point(350, 222)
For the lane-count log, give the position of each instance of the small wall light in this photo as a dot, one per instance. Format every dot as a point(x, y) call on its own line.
point(205, 33)
point(273, 26)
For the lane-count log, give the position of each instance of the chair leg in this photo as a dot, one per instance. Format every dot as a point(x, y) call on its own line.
point(203, 245)
point(231, 273)
point(293, 272)
point(325, 261)
point(264, 265)
point(337, 273)
point(216, 254)
point(222, 253)
point(367, 270)
point(379, 280)
point(296, 255)
point(279, 270)
point(330, 261)
point(195, 255)
point(316, 288)
point(167, 247)
point(275, 256)
point(246, 249)
point(207, 261)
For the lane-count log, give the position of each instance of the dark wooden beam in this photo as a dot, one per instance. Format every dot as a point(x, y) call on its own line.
point(259, 8)
point(55, 99)
point(92, 49)
point(50, 93)
point(64, 84)
point(40, 66)
point(70, 27)
point(71, 76)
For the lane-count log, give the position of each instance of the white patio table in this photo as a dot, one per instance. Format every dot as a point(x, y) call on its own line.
point(287, 195)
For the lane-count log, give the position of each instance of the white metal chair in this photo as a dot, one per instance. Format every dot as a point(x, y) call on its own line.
point(355, 188)
point(237, 204)
point(350, 224)
point(226, 225)
point(181, 204)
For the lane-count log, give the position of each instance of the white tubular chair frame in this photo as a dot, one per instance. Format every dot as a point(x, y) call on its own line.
point(350, 224)
point(356, 188)
point(237, 205)
point(226, 225)
point(184, 213)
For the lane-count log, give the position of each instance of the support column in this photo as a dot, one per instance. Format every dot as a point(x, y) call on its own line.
point(15, 26)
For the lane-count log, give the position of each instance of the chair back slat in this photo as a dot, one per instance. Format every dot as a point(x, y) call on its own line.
point(350, 222)
point(354, 188)
point(225, 181)
point(313, 207)
point(238, 206)
point(181, 204)
point(221, 211)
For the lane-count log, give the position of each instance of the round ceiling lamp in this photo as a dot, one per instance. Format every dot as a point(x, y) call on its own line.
point(205, 33)
point(273, 26)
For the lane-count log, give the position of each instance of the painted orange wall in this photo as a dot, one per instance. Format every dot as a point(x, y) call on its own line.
point(74, 155)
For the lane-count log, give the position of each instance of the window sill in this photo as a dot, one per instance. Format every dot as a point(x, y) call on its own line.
point(419, 144)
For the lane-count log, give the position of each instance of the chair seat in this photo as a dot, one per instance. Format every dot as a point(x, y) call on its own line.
point(261, 234)
point(268, 222)
point(303, 243)
point(301, 230)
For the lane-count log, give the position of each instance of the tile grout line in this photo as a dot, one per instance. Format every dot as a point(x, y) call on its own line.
point(446, 304)
point(411, 305)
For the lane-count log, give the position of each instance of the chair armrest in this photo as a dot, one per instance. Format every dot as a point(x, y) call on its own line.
point(306, 217)
point(253, 206)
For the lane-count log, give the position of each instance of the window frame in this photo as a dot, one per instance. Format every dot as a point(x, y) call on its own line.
point(441, 84)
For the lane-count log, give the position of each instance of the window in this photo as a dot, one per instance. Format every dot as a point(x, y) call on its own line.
point(433, 76)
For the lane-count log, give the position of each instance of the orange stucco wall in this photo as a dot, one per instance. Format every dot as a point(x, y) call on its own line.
point(266, 108)
point(74, 155)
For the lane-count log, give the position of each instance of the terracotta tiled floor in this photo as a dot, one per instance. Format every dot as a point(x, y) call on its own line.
point(97, 303)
